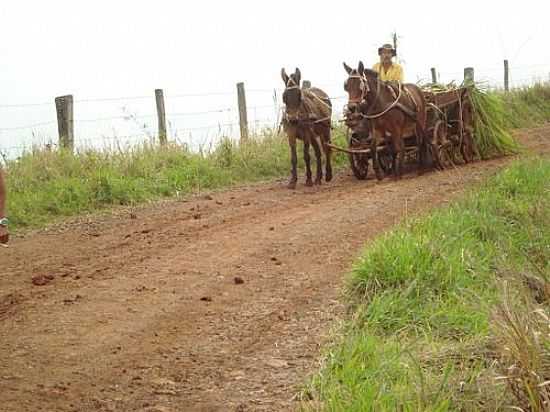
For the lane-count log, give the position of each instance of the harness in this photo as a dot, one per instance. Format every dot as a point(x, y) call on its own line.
point(309, 93)
point(365, 90)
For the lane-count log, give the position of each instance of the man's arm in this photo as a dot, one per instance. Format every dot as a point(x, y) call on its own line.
point(3, 195)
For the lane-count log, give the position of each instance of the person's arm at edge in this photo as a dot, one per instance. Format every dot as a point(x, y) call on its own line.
point(3, 196)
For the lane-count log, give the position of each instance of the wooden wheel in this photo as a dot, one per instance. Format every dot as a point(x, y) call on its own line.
point(359, 162)
point(467, 148)
point(359, 165)
point(443, 146)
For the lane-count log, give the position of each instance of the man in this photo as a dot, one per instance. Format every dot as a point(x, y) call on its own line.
point(3, 220)
point(386, 69)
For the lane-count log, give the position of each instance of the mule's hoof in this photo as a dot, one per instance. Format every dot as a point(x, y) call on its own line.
point(328, 177)
point(309, 183)
point(291, 185)
point(319, 181)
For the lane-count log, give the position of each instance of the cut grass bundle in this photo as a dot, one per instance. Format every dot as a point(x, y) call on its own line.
point(491, 125)
point(491, 119)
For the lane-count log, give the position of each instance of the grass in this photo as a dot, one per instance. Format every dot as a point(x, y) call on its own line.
point(438, 313)
point(528, 106)
point(491, 128)
point(46, 185)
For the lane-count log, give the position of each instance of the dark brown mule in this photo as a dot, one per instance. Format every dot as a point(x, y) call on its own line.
point(307, 118)
point(394, 112)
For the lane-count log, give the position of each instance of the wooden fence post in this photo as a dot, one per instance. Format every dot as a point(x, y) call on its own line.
point(306, 84)
point(434, 75)
point(469, 75)
point(65, 121)
point(161, 115)
point(243, 120)
point(506, 78)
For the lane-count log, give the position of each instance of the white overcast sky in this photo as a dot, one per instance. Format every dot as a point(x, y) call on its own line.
point(126, 48)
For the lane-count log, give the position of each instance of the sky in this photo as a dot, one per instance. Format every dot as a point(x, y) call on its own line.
point(105, 49)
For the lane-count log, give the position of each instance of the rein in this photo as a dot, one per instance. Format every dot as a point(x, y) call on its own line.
point(387, 109)
point(365, 89)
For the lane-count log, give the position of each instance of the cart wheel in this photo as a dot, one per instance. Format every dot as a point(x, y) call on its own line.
point(444, 147)
point(359, 165)
point(433, 147)
point(468, 148)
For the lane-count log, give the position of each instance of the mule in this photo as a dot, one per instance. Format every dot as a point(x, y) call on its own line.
point(307, 117)
point(394, 112)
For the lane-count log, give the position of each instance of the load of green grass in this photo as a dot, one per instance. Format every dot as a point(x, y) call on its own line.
point(492, 118)
point(491, 124)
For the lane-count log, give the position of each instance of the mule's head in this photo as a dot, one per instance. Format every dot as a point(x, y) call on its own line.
point(292, 96)
point(356, 86)
point(361, 87)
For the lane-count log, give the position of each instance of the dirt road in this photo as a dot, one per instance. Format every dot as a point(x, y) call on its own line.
point(218, 303)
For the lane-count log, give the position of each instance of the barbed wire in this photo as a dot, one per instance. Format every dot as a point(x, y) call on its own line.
point(277, 106)
point(8, 129)
point(22, 105)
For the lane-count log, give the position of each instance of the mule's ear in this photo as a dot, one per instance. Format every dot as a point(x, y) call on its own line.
point(348, 69)
point(284, 76)
point(361, 68)
point(297, 76)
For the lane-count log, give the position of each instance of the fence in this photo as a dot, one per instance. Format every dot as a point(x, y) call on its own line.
point(229, 118)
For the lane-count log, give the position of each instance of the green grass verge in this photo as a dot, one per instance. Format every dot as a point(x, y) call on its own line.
point(45, 185)
point(420, 334)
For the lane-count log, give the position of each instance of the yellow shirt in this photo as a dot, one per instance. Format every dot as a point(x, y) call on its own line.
point(395, 72)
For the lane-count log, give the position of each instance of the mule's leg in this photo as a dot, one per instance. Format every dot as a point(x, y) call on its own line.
point(421, 148)
point(398, 146)
point(328, 155)
point(319, 158)
point(400, 158)
point(394, 166)
point(307, 161)
point(374, 152)
point(293, 163)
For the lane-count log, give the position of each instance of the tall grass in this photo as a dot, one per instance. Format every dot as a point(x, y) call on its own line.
point(425, 307)
point(44, 185)
point(491, 127)
point(496, 113)
point(528, 106)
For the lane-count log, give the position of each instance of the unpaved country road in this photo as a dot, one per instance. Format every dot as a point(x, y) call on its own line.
point(139, 310)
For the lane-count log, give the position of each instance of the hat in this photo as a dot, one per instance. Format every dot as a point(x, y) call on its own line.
point(387, 47)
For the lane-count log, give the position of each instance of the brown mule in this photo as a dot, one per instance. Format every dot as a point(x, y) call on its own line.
point(307, 117)
point(393, 110)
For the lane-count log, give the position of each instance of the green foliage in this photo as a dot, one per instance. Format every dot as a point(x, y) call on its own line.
point(45, 185)
point(421, 299)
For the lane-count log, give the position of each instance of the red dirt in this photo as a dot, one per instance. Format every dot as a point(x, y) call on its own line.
point(219, 303)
